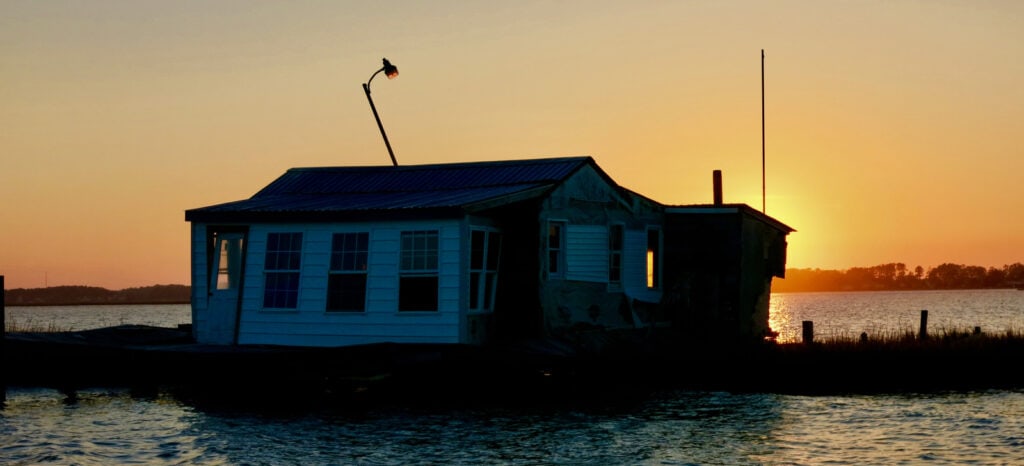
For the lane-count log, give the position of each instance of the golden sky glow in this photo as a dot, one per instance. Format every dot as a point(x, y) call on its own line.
point(894, 128)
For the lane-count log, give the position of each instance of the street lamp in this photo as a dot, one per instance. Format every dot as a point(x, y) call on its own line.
point(391, 72)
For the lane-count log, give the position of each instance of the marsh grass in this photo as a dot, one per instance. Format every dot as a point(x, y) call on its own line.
point(31, 326)
point(941, 338)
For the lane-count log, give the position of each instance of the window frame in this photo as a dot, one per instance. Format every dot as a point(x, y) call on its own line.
point(615, 255)
point(558, 251)
point(483, 278)
point(226, 261)
point(282, 271)
point(348, 259)
point(418, 264)
point(654, 258)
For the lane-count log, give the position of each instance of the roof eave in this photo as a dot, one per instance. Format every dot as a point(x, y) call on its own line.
point(325, 216)
point(507, 199)
point(707, 209)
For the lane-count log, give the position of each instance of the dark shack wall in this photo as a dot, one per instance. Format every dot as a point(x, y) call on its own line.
point(755, 281)
point(517, 309)
point(764, 256)
point(719, 269)
point(702, 273)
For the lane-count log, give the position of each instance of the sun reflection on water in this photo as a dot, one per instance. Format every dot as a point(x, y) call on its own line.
point(779, 317)
point(845, 315)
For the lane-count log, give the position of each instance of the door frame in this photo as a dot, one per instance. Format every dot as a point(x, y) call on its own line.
point(212, 254)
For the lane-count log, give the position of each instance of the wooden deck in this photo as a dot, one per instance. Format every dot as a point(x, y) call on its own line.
point(142, 356)
point(139, 356)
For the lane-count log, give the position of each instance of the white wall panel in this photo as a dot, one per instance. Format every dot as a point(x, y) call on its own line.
point(586, 253)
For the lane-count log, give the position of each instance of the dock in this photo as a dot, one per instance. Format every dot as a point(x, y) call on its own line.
point(601, 362)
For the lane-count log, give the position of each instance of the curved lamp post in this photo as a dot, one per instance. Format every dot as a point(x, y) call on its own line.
point(391, 72)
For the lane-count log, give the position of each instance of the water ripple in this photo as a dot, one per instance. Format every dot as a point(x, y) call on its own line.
point(665, 428)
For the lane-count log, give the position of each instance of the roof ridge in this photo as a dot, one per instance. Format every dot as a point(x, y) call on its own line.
point(429, 166)
point(433, 190)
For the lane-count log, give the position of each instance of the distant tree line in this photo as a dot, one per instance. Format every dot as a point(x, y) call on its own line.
point(76, 295)
point(897, 276)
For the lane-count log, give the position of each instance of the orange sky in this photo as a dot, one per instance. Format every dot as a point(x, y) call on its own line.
point(894, 128)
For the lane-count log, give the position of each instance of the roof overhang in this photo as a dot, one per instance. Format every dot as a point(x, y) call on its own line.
point(200, 216)
point(729, 209)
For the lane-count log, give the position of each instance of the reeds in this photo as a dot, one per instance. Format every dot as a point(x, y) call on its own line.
point(31, 326)
point(953, 338)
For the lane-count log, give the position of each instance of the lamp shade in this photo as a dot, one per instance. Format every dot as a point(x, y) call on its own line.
point(391, 71)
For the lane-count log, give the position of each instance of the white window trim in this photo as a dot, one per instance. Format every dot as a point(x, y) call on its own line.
point(489, 307)
point(562, 263)
point(366, 272)
point(659, 262)
point(616, 285)
point(414, 272)
point(296, 271)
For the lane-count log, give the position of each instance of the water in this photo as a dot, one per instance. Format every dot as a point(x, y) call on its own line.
point(834, 314)
point(668, 428)
point(73, 318)
point(105, 426)
point(848, 314)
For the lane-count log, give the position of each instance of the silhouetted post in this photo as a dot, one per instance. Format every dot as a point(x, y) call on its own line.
point(923, 333)
point(716, 183)
point(764, 209)
point(808, 332)
point(977, 330)
point(3, 319)
point(863, 337)
point(3, 345)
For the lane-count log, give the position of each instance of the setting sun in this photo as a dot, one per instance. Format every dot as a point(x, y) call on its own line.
point(892, 130)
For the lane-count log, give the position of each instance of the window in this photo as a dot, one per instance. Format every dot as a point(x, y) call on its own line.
point(653, 258)
point(346, 280)
point(616, 234)
point(556, 249)
point(281, 268)
point(485, 249)
point(229, 261)
point(417, 281)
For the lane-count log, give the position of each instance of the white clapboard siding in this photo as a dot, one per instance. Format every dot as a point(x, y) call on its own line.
point(200, 282)
point(586, 253)
point(340, 330)
point(634, 267)
point(311, 325)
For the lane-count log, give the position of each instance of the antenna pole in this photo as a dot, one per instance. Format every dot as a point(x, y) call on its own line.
point(763, 210)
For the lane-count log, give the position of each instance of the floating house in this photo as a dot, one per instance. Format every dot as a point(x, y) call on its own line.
point(472, 253)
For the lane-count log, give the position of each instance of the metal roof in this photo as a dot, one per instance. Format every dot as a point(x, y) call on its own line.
point(710, 209)
point(321, 192)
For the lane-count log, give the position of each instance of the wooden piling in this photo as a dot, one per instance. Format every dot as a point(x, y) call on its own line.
point(3, 345)
point(923, 333)
point(3, 319)
point(808, 332)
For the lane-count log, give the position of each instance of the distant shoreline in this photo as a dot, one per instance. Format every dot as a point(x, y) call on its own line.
point(91, 295)
point(899, 277)
point(774, 290)
point(122, 303)
point(182, 294)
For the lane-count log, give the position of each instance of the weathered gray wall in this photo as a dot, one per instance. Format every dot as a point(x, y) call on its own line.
point(583, 298)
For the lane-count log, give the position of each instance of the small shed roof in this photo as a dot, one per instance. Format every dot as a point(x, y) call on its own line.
point(707, 209)
point(324, 193)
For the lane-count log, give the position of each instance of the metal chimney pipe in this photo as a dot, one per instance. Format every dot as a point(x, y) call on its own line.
point(717, 180)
